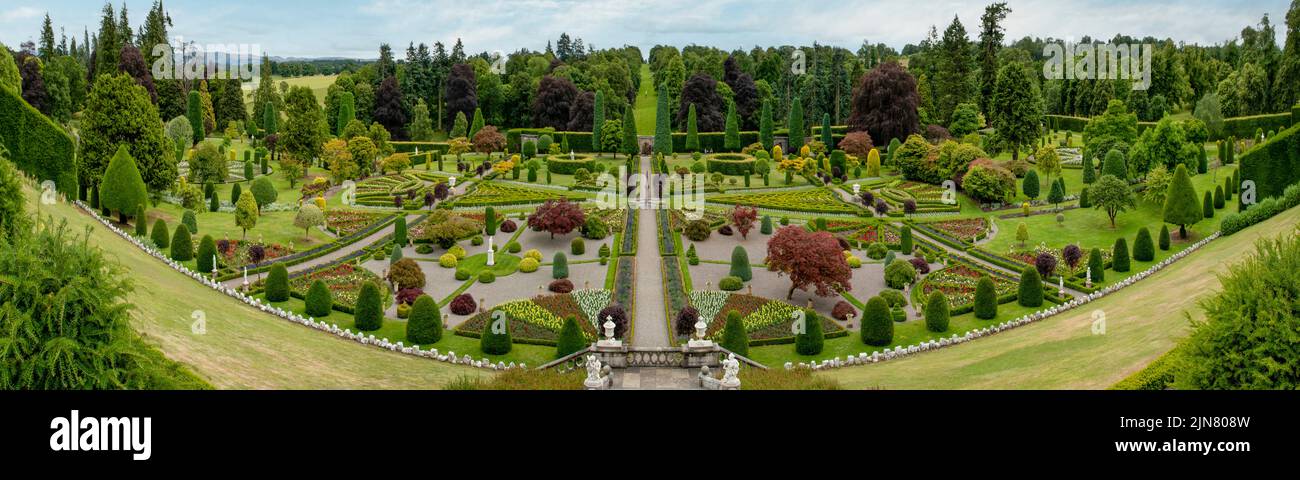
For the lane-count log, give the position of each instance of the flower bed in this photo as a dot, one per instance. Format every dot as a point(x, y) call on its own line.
point(235, 254)
point(347, 222)
point(532, 321)
point(344, 282)
point(964, 229)
point(590, 303)
point(494, 193)
point(814, 200)
point(876, 233)
point(957, 282)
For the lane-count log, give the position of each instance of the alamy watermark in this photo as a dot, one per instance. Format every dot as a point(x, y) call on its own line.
point(652, 192)
point(1099, 61)
point(191, 61)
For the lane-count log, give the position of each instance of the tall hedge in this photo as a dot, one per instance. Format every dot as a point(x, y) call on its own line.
point(182, 246)
point(1119, 259)
point(936, 312)
point(1144, 249)
point(320, 301)
point(370, 308)
point(1031, 288)
point(277, 284)
point(424, 326)
point(571, 338)
point(399, 231)
point(811, 341)
point(36, 144)
point(493, 343)
point(986, 299)
point(734, 337)
point(1273, 165)
point(1096, 265)
point(877, 325)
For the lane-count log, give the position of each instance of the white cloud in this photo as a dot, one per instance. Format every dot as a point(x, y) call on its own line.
point(20, 13)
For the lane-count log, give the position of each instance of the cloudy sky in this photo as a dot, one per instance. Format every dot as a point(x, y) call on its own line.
point(300, 28)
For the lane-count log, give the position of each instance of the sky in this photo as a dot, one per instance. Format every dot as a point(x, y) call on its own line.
point(354, 29)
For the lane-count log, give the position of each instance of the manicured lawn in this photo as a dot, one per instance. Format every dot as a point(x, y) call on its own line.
point(646, 97)
point(273, 227)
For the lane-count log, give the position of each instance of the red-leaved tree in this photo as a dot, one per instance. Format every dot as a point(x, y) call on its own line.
point(885, 104)
point(743, 218)
point(555, 217)
point(809, 258)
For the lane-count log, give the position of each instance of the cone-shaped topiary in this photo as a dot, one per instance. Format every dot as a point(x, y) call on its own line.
point(424, 326)
point(1096, 266)
point(277, 284)
point(1164, 237)
point(571, 338)
point(1119, 256)
point(190, 221)
point(496, 335)
point(320, 301)
point(1207, 205)
point(395, 254)
point(1084, 200)
point(905, 240)
point(740, 264)
point(207, 250)
point(1219, 199)
point(214, 203)
point(936, 312)
point(811, 341)
point(1030, 186)
point(734, 337)
point(1144, 249)
point(986, 299)
point(1031, 288)
point(123, 189)
point(370, 308)
point(159, 234)
point(182, 246)
point(560, 266)
point(141, 222)
point(1181, 207)
point(877, 325)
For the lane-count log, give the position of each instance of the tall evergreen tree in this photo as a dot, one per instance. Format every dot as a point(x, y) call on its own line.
point(663, 130)
point(1182, 208)
point(1016, 108)
point(731, 141)
point(953, 78)
point(796, 126)
point(597, 120)
point(991, 36)
point(765, 126)
point(827, 138)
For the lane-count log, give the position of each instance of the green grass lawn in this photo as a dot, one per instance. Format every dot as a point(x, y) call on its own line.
point(319, 85)
point(646, 97)
point(1142, 322)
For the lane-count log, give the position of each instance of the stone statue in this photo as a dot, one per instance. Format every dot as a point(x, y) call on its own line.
point(593, 367)
point(730, 368)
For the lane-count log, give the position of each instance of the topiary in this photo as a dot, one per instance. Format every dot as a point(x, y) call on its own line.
point(899, 274)
point(159, 234)
point(1084, 201)
point(765, 228)
point(319, 300)
point(207, 250)
point(1164, 237)
point(141, 225)
point(698, 230)
point(182, 247)
point(571, 338)
point(986, 299)
point(895, 298)
point(578, 246)
point(1119, 256)
point(463, 304)
point(462, 274)
point(1143, 249)
point(1207, 205)
point(936, 312)
point(877, 323)
point(486, 276)
point(496, 335)
point(458, 251)
point(595, 229)
point(1218, 197)
point(740, 264)
point(843, 310)
point(905, 240)
point(424, 325)
point(447, 260)
point(277, 284)
point(514, 247)
point(734, 337)
point(1031, 288)
point(1096, 266)
point(811, 340)
point(190, 221)
point(528, 265)
point(559, 266)
point(730, 284)
point(877, 251)
point(562, 285)
point(534, 254)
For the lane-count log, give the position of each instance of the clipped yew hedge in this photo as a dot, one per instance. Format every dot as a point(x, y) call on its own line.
point(36, 145)
point(1273, 165)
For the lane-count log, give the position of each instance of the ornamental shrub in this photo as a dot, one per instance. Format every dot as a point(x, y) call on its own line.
point(457, 251)
point(496, 336)
point(559, 266)
point(730, 284)
point(319, 300)
point(571, 338)
point(463, 304)
point(920, 264)
point(190, 221)
point(141, 222)
point(1096, 266)
point(877, 251)
point(159, 234)
point(740, 264)
point(986, 299)
point(877, 323)
point(528, 265)
point(1119, 256)
point(734, 337)
point(182, 247)
point(277, 284)
point(486, 276)
point(843, 310)
point(462, 274)
point(1207, 205)
point(424, 324)
point(1031, 288)
point(1084, 200)
point(698, 230)
point(1219, 199)
point(905, 240)
point(936, 312)
point(684, 324)
point(899, 274)
point(447, 260)
point(562, 285)
point(811, 341)
point(595, 229)
point(578, 246)
point(207, 250)
point(894, 298)
point(1143, 249)
point(766, 227)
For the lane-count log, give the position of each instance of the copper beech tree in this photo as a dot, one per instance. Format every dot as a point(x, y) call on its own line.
point(810, 259)
point(743, 218)
point(555, 217)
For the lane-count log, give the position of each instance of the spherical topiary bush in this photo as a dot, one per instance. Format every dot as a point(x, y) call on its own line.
point(534, 254)
point(986, 299)
point(899, 274)
point(277, 284)
point(578, 246)
point(458, 251)
point(843, 310)
point(1144, 249)
point(936, 312)
point(447, 260)
point(1119, 259)
point(730, 284)
point(486, 276)
point(182, 247)
point(559, 266)
point(877, 251)
point(922, 267)
point(1031, 288)
point(370, 308)
point(812, 340)
point(698, 230)
point(877, 323)
point(1164, 237)
point(319, 300)
point(159, 234)
point(562, 285)
point(528, 265)
point(463, 304)
point(514, 247)
point(462, 274)
point(684, 325)
point(476, 241)
point(853, 261)
point(614, 312)
point(424, 325)
point(509, 226)
point(571, 339)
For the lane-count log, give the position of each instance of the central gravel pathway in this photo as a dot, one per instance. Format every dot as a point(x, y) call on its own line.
point(651, 328)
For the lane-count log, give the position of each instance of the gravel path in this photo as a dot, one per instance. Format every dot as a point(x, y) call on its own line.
point(651, 329)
